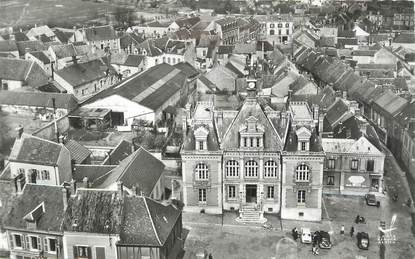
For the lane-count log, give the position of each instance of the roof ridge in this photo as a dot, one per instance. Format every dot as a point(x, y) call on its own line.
point(151, 220)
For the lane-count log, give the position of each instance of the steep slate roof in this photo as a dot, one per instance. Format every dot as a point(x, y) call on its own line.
point(23, 70)
point(64, 51)
point(30, 45)
point(79, 153)
point(391, 103)
point(98, 33)
point(188, 22)
point(152, 88)
point(33, 195)
point(96, 211)
point(273, 132)
point(38, 99)
point(141, 169)
point(212, 141)
point(31, 149)
point(147, 223)
point(119, 153)
point(291, 144)
point(336, 111)
point(92, 172)
point(83, 73)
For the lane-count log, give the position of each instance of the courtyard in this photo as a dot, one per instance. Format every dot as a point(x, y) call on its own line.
point(223, 237)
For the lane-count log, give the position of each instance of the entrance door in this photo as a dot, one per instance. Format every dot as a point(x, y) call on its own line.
point(251, 191)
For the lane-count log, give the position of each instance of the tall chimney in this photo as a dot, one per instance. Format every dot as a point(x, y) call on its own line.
point(320, 123)
point(19, 131)
point(73, 187)
point(65, 198)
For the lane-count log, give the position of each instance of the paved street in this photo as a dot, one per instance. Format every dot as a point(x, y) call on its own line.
point(233, 240)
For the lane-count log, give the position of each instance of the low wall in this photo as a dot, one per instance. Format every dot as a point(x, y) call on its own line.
point(48, 131)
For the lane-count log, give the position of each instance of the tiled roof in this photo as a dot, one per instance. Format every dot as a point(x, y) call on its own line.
point(188, 22)
point(40, 55)
point(28, 46)
point(336, 112)
point(189, 70)
point(83, 73)
point(92, 172)
point(391, 103)
point(64, 51)
point(140, 169)
point(133, 60)
point(31, 149)
point(79, 153)
point(369, 53)
point(119, 153)
point(40, 30)
point(33, 195)
point(94, 211)
point(38, 99)
point(98, 33)
point(63, 36)
point(340, 145)
point(147, 223)
point(225, 49)
point(245, 48)
point(207, 83)
point(152, 88)
point(8, 45)
point(405, 38)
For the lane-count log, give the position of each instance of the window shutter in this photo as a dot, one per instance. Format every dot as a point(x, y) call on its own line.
point(27, 245)
point(39, 243)
point(75, 251)
point(89, 253)
point(11, 238)
point(45, 246)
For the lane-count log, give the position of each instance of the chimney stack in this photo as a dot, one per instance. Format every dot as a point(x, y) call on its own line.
point(19, 131)
point(73, 187)
point(65, 198)
point(120, 189)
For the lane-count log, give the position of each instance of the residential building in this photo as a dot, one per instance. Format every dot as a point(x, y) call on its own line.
point(83, 80)
point(119, 226)
point(227, 29)
point(16, 74)
point(42, 59)
point(277, 30)
point(33, 224)
point(352, 166)
point(42, 33)
point(8, 48)
point(133, 64)
point(39, 161)
point(302, 166)
point(101, 37)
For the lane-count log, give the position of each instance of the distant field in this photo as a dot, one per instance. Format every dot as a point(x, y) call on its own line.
point(60, 12)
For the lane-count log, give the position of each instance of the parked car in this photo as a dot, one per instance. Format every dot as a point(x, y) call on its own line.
point(306, 236)
point(363, 240)
point(371, 200)
point(323, 239)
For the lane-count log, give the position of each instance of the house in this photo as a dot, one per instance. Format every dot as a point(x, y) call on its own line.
point(101, 37)
point(140, 173)
point(83, 80)
point(178, 51)
point(79, 153)
point(133, 64)
point(352, 166)
point(231, 158)
point(30, 46)
point(33, 223)
point(204, 85)
point(129, 42)
point(42, 59)
point(155, 29)
point(17, 74)
point(278, 30)
point(223, 53)
point(305, 38)
point(120, 226)
point(63, 55)
point(39, 161)
point(144, 95)
point(302, 173)
point(42, 33)
point(154, 54)
point(8, 48)
point(227, 29)
point(42, 105)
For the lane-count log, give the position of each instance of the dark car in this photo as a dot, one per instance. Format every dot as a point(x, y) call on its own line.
point(363, 240)
point(371, 200)
point(323, 239)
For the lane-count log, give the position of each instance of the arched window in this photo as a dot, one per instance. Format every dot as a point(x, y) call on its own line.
point(251, 168)
point(270, 169)
point(201, 171)
point(302, 174)
point(232, 168)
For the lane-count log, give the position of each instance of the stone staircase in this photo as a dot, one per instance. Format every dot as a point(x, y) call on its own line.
point(250, 214)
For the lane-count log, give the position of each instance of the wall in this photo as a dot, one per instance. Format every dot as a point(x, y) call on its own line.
point(92, 240)
point(53, 172)
point(11, 84)
point(48, 131)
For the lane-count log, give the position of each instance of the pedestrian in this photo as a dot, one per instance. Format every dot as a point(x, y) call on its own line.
point(352, 231)
point(342, 230)
point(357, 219)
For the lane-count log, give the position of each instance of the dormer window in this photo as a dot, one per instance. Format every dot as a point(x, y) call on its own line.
point(251, 134)
point(303, 136)
point(201, 135)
